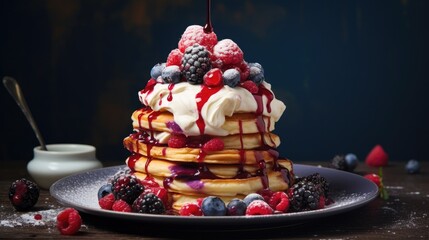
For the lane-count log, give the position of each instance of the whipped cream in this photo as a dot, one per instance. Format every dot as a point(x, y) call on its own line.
point(181, 100)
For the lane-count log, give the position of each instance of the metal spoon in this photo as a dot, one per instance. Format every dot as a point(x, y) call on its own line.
point(13, 88)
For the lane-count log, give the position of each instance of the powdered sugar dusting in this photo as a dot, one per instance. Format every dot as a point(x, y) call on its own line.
point(18, 219)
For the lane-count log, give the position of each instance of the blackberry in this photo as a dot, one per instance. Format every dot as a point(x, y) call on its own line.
point(126, 187)
point(305, 196)
point(148, 203)
point(195, 63)
point(339, 162)
point(23, 194)
point(320, 182)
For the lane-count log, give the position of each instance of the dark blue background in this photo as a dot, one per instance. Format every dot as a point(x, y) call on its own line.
point(352, 73)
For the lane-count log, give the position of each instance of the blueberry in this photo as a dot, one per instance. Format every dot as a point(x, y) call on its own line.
point(236, 207)
point(256, 74)
point(213, 206)
point(231, 77)
point(171, 74)
point(412, 166)
point(257, 65)
point(156, 71)
point(104, 190)
point(351, 161)
point(252, 197)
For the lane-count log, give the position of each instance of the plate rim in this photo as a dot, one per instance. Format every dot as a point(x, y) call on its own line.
point(283, 218)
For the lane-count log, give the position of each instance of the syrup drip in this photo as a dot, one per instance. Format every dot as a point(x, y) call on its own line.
point(160, 99)
point(201, 98)
point(132, 161)
point(208, 27)
point(170, 93)
point(152, 116)
point(241, 173)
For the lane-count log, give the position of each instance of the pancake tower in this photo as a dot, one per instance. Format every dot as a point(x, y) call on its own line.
point(205, 125)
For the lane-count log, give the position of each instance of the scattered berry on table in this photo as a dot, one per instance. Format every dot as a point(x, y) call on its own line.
point(23, 194)
point(231, 77)
point(213, 206)
point(121, 206)
point(236, 207)
point(213, 78)
point(69, 221)
point(412, 166)
point(104, 190)
point(148, 203)
point(195, 35)
point(174, 58)
point(279, 201)
point(339, 162)
point(195, 63)
point(377, 157)
point(214, 144)
point(373, 178)
point(156, 70)
point(126, 187)
point(190, 209)
point(250, 86)
point(171, 74)
point(107, 201)
point(259, 207)
point(228, 52)
point(351, 161)
point(252, 197)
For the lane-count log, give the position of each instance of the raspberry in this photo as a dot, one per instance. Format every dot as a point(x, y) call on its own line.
point(23, 194)
point(177, 141)
point(259, 207)
point(195, 34)
point(69, 221)
point(228, 52)
point(190, 209)
point(148, 203)
point(160, 192)
point(244, 71)
point(107, 201)
point(250, 86)
point(374, 178)
point(214, 144)
point(174, 58)
point(213, 78)
point(126, 187)
point(195, 63)
point(279, 201)
point(121, 206)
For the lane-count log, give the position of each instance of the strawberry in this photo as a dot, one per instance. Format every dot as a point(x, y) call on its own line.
point(190, 209)
point(214, 144)
point(377, 157)
point(213, 78)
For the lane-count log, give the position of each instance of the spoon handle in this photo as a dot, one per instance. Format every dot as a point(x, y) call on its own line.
point(13, 88)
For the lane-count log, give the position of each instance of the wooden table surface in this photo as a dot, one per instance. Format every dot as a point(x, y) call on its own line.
point(403, 215)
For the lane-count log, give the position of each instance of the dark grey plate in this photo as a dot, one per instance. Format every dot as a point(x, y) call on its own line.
point(348, 190)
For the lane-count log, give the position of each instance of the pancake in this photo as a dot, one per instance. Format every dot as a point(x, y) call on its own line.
point(239, 123)
point(164, 168)
point(186, 154)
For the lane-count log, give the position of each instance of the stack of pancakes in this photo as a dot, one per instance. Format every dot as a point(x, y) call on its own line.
point(247, 164)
